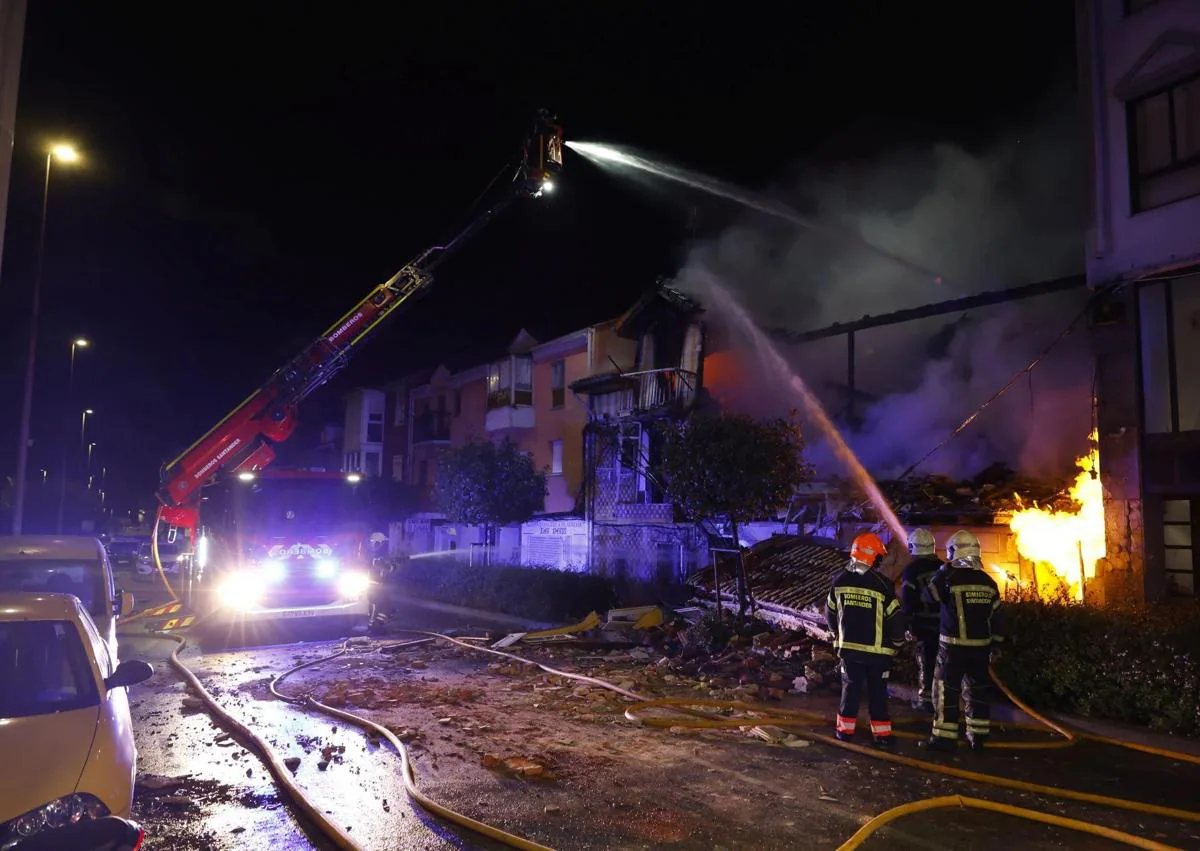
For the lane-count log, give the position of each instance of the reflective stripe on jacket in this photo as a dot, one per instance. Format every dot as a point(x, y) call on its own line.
point(970, 607)
point(863, 613)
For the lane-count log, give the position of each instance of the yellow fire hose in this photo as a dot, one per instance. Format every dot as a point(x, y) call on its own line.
point(692, 717)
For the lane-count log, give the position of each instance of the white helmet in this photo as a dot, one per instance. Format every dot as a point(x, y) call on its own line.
point(962, 544)
point(921, 542)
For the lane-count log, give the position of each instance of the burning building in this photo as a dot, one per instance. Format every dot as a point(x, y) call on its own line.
point(1139, 69)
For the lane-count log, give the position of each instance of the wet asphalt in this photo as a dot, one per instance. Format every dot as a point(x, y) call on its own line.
point(199, 788)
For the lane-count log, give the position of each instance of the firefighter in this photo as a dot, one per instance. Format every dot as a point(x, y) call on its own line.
point(922, 617)
point(864, 616)
point(970, 633)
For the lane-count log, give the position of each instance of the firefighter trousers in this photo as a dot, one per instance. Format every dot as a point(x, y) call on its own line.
point(926, 652)
point(871, 675)
point(962, 672)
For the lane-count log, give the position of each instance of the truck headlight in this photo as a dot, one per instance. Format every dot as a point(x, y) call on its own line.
point(241, 591)
point(327, 568)
point(353, 585)
point(274, 571)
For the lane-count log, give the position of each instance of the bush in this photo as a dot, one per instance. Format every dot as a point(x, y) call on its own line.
point(1136, 664)
point(536, 593)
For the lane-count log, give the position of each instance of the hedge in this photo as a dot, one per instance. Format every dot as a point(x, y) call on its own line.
point(1139, 664)
point(543, 594)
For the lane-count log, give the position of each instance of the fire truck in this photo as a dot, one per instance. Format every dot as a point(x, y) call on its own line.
point(218, 498)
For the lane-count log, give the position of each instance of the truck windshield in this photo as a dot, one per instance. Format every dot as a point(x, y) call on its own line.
point(283, 508)
point(44, 669)
point(85, 578)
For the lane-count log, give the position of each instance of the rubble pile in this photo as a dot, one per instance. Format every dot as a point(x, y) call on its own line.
point(377, 693)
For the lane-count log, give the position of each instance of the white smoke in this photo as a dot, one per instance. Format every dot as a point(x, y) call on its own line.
point(1008, 217)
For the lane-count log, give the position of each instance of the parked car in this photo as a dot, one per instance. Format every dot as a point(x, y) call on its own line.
point(70, 564)
point(64, 717)
point(170, 555)
point(123, 551)
point(105, 834)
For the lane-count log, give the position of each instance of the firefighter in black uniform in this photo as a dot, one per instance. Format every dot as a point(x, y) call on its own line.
point(972, 628)
point(864, 616)
point(922, 616)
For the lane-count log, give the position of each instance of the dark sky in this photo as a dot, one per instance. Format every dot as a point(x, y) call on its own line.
point(254, 169)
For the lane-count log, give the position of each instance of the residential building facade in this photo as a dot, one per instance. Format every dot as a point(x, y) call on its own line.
point(1140, 73)
point(362, 435)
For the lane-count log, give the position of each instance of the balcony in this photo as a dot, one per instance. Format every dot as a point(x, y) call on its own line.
point(510, 393)
point(431, 427)
point(651, 392)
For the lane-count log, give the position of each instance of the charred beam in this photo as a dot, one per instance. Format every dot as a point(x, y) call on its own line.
point(941, 308)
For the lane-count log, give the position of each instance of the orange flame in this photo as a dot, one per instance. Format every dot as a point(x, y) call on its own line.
point(1066, 542)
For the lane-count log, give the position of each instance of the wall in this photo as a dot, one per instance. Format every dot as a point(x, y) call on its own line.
point(550, 424)
point(1119, 55)
point(12, 38)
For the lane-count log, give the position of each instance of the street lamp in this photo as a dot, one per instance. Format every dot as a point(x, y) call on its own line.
point(76, 344)
point(64, 154)
point(83, 426)
point(91, 446)
point(62, 487)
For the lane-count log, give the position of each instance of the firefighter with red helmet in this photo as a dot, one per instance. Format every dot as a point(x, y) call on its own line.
point(923, 617)
point(868, 627)
point(971, 630)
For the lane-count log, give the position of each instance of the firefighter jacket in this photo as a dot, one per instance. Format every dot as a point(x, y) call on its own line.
point(923, 616)
point(864, 615)
point(970, 606)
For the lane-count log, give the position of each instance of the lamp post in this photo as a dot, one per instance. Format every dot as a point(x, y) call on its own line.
point(91, 447)
point(62, 491)
point(64, 154)
point(76, 344)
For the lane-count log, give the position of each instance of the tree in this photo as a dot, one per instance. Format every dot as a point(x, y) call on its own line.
point(489, 484)
point(734, 468)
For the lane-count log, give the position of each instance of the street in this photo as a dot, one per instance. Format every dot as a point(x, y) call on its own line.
point(557, 762)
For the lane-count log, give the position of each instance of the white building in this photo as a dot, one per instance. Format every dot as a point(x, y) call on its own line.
point(362, 437)
point(1140, 78)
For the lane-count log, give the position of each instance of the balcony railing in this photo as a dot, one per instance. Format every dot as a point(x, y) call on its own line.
point(656, 390)
point(431, 427)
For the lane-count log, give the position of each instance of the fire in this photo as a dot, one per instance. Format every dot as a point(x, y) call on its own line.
point(1065, 542)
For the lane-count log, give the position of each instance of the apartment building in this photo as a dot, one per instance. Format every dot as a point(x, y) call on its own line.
point(1140, 75)
point(362, 435)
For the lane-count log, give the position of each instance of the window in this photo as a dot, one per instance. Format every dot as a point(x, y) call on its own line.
point(1134, 6)
point(510, 382)
point(1169, 319)
point(375, 427)
point(373, 464)
point(556, 449)
point(397, 468)
point(458, 401)
point(1164, 149)
point(1179, 556)
point(399, 410)
point(558, 384)
point(44, 668)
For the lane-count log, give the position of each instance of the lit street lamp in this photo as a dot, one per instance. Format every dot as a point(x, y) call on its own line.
point(62, 490)
point(64, 154)
point(91, 446)
point(83, 426)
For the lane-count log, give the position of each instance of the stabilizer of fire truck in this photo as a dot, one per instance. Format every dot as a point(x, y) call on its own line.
point(244, 440)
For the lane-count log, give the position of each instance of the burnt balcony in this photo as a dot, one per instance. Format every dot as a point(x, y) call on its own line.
point(431, 427)
point(647, 393)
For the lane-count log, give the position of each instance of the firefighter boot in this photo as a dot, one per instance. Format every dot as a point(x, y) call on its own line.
point(938, 744)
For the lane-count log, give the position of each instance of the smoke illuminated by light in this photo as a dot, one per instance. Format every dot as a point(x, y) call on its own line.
point(608, 155)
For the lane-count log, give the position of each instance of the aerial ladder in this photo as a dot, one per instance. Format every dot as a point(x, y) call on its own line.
point(244, 441)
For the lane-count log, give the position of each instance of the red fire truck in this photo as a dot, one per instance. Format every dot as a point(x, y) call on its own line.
point(302, 571)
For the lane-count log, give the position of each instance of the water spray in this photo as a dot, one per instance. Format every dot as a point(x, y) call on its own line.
point(606, 155)
point(813, 408)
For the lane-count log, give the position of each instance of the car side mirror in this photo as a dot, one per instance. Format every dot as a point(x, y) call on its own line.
point(129, 673)
point(126, 604)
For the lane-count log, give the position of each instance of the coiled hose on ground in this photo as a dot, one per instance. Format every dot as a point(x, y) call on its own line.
point(690, 715)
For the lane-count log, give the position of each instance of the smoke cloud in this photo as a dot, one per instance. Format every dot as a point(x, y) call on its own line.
point(1003, 218)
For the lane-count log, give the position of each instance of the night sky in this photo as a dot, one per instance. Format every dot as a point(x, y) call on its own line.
point(252, 173)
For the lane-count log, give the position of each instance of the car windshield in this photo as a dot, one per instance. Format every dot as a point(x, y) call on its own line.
point(123, 547)
point(44, 669)
point(165, 551)
point(84, 578)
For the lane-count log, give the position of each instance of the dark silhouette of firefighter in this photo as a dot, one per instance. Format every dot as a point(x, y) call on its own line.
point(922, 616)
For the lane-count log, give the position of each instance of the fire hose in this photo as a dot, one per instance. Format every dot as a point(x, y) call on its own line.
point(691, 716)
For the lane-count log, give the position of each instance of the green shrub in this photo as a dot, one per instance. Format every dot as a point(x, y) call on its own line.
point(536, 593)
point(1137, 664)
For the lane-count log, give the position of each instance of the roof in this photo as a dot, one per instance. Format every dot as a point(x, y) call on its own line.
point(633, 321)
point(784, 570)
point(49, 546)
point(16, 606)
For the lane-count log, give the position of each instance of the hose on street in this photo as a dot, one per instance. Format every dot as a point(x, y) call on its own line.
point(702, 713)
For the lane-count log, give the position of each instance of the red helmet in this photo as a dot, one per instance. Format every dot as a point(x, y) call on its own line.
point(868, 549)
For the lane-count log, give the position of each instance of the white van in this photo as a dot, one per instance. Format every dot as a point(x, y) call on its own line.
point(66, 564)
